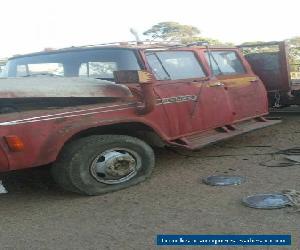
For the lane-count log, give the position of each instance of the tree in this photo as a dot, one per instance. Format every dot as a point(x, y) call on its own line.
point(294, 41)
point(185, 34)
point(171, 31)
point(210, 41)
point(258, 49)
point(294, 53)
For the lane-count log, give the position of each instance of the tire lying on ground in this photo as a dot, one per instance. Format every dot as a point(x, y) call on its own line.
point(103, 163)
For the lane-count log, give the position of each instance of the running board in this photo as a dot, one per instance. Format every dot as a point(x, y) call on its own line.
point(202, 139)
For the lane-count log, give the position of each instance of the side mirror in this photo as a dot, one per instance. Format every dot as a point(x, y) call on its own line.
point(133, 76)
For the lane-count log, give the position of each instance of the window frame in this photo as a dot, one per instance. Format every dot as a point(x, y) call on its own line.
point(205, 52)
point(171, 81)
point(88, 69)
point(14, 60)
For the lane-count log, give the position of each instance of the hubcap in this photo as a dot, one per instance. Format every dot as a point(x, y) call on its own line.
point(115, 166)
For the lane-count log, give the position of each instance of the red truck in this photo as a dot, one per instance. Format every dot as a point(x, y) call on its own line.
point(96, 112)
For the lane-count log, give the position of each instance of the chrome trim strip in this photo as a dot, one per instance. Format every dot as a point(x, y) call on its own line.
point(163, 101)
point(75, 111)
point(58, 117)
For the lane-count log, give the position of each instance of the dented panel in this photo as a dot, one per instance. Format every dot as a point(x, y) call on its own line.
point(173, 108)
point(26, 87)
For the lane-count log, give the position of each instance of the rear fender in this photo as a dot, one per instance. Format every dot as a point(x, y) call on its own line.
point(56, 141)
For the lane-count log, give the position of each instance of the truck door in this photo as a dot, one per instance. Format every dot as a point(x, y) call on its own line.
point(246, 91)
point(191, 102)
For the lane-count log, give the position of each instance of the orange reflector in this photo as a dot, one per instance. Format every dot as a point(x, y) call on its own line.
point(14, 143)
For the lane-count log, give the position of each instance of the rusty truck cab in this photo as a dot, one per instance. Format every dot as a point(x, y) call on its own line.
point(93, 112)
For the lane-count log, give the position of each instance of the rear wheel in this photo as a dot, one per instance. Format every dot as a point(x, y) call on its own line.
point(103, 163)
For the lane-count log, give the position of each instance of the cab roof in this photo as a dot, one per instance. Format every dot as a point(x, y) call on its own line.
point(123, 45)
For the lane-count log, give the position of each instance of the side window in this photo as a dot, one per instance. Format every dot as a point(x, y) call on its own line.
point(157, 67)
point(21, 70)
point(174, 65)
point(98, 69)
point(46, 68)
point(225, 63)
point(41, 68)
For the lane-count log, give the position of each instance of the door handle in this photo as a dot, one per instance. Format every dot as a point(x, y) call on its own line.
point(217, 84)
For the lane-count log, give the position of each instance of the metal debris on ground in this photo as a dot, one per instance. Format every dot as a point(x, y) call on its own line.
point(294, 198)
point(223, 180)
point(278, 163)
point(290, 151)
point(284, 158)
point(267, 201)
point(274, 118)
point(293, 158)
point(2, 189)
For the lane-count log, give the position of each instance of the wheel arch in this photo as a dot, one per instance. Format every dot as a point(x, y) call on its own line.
point(131, 128)
point(135, 129)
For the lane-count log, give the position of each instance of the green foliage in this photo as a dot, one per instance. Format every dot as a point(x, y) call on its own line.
point(171, 31)
point(294, 41)
point(252, 42)
point(294, 53)
point(187, 34)
point(263, 49)
point(210, 41)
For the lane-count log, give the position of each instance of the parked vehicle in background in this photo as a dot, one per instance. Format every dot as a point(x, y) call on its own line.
point(2, 65)
point(270, 61)
point(94, 112)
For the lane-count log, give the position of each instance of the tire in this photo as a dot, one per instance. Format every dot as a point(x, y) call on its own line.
point(100, 164)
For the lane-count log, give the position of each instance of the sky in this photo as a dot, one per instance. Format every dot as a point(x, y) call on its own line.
point(32, 25)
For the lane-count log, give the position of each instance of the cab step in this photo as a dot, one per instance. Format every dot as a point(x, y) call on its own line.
point(202, 139)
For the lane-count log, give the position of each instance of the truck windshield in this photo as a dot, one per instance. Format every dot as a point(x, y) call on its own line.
point(95, 63)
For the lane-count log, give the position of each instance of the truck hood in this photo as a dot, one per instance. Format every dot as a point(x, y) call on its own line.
point(39, 87)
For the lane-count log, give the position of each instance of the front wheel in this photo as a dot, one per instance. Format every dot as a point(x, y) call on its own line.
point(103, 163)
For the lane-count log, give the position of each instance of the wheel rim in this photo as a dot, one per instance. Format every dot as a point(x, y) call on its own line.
point(115, 166)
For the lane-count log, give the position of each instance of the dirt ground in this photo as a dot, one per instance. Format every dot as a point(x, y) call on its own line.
point(35, 214)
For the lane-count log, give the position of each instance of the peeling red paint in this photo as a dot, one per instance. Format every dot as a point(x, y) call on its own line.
point(174, 109)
